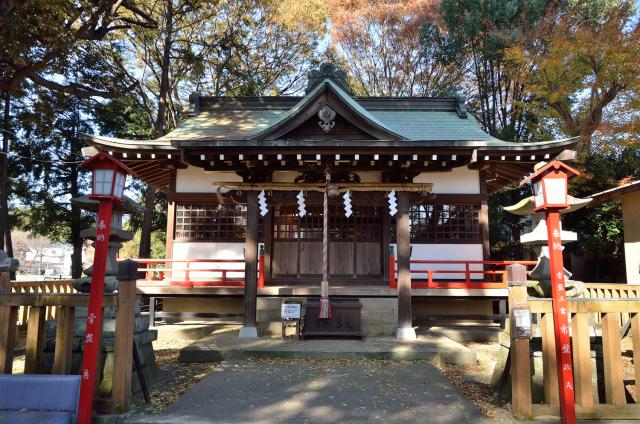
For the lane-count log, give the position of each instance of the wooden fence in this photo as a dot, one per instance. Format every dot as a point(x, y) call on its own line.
point(601, 361)
point(36, 299)
point(198, 272)
point(52, 286)
point(450, 274)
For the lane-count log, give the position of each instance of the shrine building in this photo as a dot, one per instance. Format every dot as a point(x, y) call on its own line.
point(245, 179)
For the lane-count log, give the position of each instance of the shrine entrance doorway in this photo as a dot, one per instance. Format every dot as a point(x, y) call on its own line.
point(355, 244)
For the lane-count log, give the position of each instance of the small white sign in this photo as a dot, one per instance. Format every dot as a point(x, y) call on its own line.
point(290, 311)
point(522, 318)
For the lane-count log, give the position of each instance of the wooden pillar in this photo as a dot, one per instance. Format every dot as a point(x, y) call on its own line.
point(249, 329)
point(125, 331)
point(8, 319)
point(171, 221)
point(64, 339)
point(520, 354)
point(483, 218)
point(35, 340)
point(405, 321)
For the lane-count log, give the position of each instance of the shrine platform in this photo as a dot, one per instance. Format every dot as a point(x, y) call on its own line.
point(226, 346)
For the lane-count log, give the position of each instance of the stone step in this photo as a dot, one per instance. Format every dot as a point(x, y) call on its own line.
point(464, 333)
point(435, 349)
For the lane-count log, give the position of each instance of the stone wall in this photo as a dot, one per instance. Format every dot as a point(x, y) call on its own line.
point(143, 337)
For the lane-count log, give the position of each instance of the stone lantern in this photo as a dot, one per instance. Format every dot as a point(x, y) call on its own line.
point(116, 237)
point(537, 239)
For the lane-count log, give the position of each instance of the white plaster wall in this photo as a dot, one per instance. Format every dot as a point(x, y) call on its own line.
point(207, 250)
point(445, 252)
point(461, 180)
point(630, 213)
point(197, 180)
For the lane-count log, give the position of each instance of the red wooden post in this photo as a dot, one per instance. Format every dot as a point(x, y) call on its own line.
point(467, 274)
point(392, 268)
point(564, 360)
point(261, 268)
point(93, 334)
point(148, 275)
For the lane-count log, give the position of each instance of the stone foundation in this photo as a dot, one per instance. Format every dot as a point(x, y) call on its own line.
point(452, 307)
point(379, 315)
point(221, 306)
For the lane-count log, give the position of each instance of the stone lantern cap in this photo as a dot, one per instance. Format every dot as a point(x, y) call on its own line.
point(526, 206)
point(126, 206)
point(8, 264)
point(115, 234)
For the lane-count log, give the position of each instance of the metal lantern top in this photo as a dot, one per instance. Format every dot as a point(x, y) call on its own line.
point(109, 176)
point(549, 184)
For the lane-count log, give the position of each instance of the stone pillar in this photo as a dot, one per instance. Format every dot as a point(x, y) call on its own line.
point(405, 321)
point(630, 213)
point(249, 329)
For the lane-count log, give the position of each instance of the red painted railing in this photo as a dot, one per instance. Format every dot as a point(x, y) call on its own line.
point(469, 274)
point(189, 272)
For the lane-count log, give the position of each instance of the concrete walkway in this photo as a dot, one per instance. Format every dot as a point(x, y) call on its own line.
point(218, 347)
point(282, 391)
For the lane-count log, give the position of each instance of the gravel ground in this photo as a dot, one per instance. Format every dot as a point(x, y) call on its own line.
point(473, 381)
point(175, 377)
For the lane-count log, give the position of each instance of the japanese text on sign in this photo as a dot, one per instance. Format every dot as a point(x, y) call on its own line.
point(290, 311)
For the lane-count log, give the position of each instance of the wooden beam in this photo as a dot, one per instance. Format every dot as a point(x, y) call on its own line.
point(52, 299)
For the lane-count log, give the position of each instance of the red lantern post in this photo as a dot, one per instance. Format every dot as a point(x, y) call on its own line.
point(550, 191)
point(109, 177)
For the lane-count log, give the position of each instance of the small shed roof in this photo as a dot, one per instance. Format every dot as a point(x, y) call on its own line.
point(616, 194)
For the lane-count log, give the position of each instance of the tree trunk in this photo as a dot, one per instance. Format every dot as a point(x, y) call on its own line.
point(5, 228)
point(4, 172)
point(144, 251)
point(164, 75)
point(76, 256)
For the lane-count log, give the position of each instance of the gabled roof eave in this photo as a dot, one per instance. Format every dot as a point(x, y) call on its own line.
point(307, 100)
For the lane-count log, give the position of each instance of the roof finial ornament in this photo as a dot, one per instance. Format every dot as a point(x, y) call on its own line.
point(330, 71)
point(326, 115)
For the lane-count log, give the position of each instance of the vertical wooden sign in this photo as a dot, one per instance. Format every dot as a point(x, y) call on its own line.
point(93, 334)
point(564, 360)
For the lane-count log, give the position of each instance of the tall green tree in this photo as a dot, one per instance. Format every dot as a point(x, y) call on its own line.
point(49, 173)
point(582, 56)
point(222, 48)
point(485, 30)
point(395, 48)
point(38, 39)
